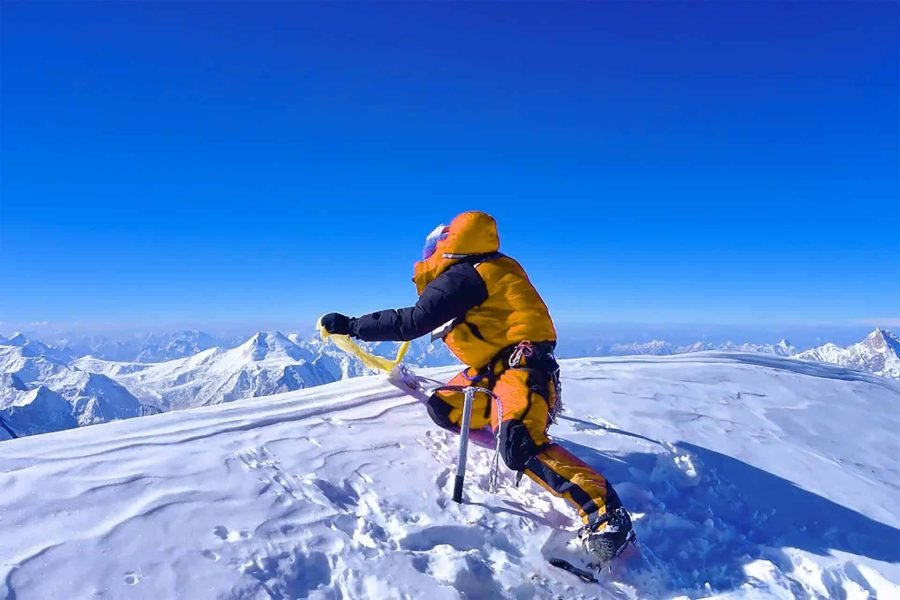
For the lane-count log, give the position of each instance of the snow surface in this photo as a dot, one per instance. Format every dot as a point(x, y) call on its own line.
point(749, 476)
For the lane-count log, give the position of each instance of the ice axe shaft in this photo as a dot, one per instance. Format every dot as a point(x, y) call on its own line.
point(469, 394)
point(463, 445)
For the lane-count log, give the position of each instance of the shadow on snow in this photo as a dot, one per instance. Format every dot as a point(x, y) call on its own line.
point(705, 529)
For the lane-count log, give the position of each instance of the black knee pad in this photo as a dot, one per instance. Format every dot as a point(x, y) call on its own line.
point(516, 445)
point(439, 411)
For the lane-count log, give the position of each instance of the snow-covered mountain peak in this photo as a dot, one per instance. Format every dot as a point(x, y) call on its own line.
point(784, 344)
point(883, 340)
point(32, 347)
point(40, 410)
point(29, 366)
point(88, 397)
point(16, 339)
point(265, 345)
point(266, 363)
point(878, 353)
point(97, 398)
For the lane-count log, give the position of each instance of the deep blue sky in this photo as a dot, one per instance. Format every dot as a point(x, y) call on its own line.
point(711, 162)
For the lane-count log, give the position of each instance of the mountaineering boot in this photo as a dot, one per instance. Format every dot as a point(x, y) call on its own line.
point(606, 538)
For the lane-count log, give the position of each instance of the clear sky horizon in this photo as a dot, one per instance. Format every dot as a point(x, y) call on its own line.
point(647, 162)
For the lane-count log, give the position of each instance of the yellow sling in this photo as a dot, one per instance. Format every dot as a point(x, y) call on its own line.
point(372, 361)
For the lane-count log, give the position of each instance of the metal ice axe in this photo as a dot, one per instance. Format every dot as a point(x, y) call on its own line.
point(469, 394)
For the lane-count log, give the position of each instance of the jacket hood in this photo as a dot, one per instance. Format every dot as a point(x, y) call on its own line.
point(470, 233)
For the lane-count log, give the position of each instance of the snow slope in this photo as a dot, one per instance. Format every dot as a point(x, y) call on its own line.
point(750, 476)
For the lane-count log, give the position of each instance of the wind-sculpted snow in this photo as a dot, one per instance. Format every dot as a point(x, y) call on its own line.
point(748, 477)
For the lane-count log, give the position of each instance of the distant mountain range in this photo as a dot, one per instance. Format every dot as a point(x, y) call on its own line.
point(663, 348)
point(267, 363)
point(878, 353)
point(144, 348)
point(46, 387)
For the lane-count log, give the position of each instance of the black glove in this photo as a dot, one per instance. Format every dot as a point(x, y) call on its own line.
point(339, 324)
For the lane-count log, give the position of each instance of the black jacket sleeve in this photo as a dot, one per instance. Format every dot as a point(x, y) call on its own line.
point(450, 296)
